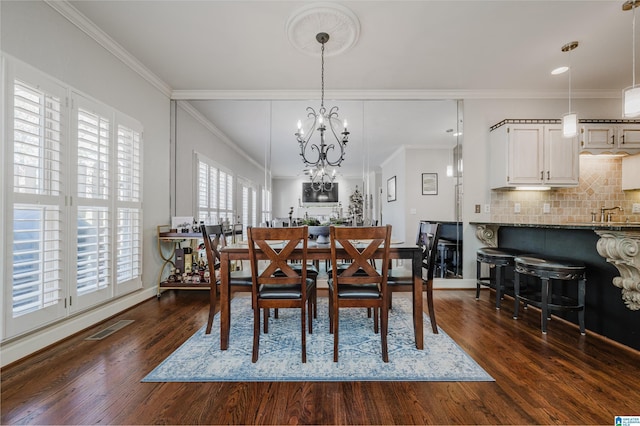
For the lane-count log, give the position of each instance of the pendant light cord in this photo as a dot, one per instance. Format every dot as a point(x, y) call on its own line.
point(633, 47)
point(570, 72)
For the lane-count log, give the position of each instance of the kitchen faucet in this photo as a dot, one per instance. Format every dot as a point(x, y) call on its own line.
point(603, 210)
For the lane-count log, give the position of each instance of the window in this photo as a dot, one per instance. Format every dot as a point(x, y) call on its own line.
point(75, 201)
point(266, 206)
point(249, 205)
point(215, 192)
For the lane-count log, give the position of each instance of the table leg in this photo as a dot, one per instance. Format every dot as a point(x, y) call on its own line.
point(225, 302)
point(417, 301)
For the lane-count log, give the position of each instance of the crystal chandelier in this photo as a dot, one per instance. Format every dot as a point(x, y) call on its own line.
point(322, 159)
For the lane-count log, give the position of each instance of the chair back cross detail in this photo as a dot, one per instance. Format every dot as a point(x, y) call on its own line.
point(278, 259)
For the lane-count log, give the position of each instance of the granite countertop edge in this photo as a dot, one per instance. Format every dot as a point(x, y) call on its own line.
point(612, 226)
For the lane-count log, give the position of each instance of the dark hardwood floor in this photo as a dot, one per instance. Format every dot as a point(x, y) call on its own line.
point(560, 378)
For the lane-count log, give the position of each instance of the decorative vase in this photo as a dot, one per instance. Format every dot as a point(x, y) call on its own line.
point(321, 234)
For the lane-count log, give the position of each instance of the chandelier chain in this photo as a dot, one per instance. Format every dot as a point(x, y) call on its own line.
point(322, 78)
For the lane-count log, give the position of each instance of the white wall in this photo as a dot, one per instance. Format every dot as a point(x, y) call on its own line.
point(33, 32)
point(393, 212)
point(411, 206)
point(440, 207)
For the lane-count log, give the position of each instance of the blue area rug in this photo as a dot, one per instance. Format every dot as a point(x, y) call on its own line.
point(200, 359)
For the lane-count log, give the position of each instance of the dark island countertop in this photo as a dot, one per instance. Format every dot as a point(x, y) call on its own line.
point(612, 226)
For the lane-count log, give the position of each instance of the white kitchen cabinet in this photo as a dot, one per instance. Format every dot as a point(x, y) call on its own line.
point(610, 138)
point(631, 172)
point(532, 155)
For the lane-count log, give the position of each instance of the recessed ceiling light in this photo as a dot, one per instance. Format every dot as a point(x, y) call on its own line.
point(560, 70)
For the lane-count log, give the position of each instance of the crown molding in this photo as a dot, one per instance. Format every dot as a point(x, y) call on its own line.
point(73, 15)
point(388, 94)
point(189, 109)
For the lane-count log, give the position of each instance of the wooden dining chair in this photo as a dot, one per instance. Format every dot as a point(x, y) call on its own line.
point(214, 238)
point(360, 285)
point(400, 281)
point(275, 284)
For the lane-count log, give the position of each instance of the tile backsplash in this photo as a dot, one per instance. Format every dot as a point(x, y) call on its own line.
point(600, 185)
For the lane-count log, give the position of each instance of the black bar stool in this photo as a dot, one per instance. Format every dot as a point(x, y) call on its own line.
point(500, 259)
point(548, 269)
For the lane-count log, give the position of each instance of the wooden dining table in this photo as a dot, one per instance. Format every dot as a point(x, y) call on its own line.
point(240, 252)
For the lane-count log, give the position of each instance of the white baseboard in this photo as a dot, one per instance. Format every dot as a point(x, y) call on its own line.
point(21, 347)
point(458, 283)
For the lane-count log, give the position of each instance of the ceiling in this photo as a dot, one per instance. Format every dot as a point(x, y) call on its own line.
point(219, 52)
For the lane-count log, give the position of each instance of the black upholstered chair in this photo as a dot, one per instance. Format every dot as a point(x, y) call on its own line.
point(214, 238)
point(399, 281)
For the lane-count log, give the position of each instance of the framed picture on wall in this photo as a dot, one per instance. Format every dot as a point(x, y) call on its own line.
point(429, 184)
point(391, 189)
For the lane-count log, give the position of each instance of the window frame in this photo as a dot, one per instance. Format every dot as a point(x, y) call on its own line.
point(67, 201)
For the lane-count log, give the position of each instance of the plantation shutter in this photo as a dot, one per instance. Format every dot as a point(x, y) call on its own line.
point(214, 192)
point(94, 186)
point(37, 200)
point(129, 206)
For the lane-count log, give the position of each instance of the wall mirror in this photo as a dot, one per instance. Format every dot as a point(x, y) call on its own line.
point(379, 131)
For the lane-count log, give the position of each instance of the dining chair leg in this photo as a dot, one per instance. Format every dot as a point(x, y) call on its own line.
point(384, 331)
point(303, 337)
point(330, 313)
point(376, 328)
point(432, 311)
point(336, 316)
point(315, 302)
point(212, 305)
point(310, 313)
point(266, 320)
point(256, 334)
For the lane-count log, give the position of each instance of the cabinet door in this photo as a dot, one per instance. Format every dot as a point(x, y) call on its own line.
point(561, 158)
point(598, 136)
point(525, 155)
point(629, 136)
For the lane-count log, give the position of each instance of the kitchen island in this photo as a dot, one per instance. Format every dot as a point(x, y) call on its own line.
point(611, 254)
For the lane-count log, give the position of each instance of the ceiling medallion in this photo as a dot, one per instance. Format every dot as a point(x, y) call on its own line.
point(339, 22)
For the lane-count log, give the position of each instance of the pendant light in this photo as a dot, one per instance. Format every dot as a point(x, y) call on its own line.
point(570, 119)
point(631, 95)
